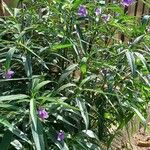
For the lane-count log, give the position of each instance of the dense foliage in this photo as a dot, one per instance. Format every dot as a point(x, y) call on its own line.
point(67, 80)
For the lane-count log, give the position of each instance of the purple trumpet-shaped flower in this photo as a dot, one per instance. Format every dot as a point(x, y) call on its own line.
point(82, 11)
point(98, 11)
point(43, 114)
point(60, 136)
point(106, 18)
point(126, 3)
point(8, 74)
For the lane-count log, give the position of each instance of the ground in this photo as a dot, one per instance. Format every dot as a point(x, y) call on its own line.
point(138, 139)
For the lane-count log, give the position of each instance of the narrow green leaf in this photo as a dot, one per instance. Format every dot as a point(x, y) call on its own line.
point(58, 101)
point(38, 136)
point(91, 134)
point(34, 54)
point(98, 91)
point(81, 38)
point(61, 46)
point(143, 60)
point(139, 115)
point(83, 110)
point(14, 129)
point(67, 72)
point(87, 79)
point(9, 57)
point(13, 97)
point(36, 127)
point(138, 39)
point(33, 113)
point(27, 65)
point(65, 86)
point(8, 106)
point(40, 85)
point(61, 118)
point(77, 3)
point(131, 61)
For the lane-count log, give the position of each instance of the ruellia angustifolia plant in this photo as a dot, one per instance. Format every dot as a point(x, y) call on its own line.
point(68, 80)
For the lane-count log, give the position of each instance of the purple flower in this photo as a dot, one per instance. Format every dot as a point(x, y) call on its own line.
point(60, 136)
point(127, 2)
point(82, 12)
point(43, 114)
point(8, 74)
point(106, 17)
point(98, 11)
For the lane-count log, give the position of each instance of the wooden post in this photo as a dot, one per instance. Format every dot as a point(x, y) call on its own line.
point(2, 12)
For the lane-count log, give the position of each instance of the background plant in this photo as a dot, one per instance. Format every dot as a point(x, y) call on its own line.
point(75, 67)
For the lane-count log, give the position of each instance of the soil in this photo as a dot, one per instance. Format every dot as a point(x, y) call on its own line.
point(134, 137)
point(139, 141)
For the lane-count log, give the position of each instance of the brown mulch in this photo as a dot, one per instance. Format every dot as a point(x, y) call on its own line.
point(140, 140)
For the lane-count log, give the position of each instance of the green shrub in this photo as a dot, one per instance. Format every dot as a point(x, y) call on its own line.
point(61, 58)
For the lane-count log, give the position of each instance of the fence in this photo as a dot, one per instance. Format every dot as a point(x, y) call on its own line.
point(139, 8)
